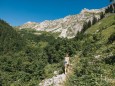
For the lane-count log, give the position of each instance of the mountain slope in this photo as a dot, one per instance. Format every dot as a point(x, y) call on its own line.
point(10, 40)
point(68, 26)
point(96, 54)
point(95, 60)
point(27, 58)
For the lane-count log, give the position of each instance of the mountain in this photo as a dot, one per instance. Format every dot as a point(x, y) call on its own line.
point(94, 64)
point(26, 58)
point(68, 26)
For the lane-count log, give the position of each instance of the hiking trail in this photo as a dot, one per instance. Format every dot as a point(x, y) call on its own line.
point(54, 81)
point(59, 80)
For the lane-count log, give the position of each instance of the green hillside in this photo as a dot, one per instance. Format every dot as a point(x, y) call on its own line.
point(95, 61)
point(8, 39)
point(27, 58)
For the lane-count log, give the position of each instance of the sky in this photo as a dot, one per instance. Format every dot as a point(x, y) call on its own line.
point(18, 12)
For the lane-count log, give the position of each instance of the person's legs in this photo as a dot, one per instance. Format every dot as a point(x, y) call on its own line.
point(65, 68)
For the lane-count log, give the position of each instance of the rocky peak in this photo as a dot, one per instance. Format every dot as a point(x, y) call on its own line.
point(67, 26)
point(95, 11)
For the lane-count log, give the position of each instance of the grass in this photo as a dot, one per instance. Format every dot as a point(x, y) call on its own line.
point(102, 24)
point(98, 72)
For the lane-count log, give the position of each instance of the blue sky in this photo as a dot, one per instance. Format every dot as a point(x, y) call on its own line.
point(17, 12)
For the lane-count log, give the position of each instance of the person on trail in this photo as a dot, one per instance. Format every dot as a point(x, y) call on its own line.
point(66, 64)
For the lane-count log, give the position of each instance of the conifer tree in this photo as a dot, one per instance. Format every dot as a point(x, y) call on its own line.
point(113, 5)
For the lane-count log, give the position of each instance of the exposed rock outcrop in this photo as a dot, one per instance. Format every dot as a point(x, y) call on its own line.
point(68, 26)
point(54, 81)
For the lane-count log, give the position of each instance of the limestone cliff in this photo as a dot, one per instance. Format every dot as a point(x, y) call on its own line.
point(67, 26)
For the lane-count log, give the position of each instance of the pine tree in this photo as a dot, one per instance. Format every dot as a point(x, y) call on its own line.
point(113, 5)
point(94, 20)
point(113, 1)
point(101, 15)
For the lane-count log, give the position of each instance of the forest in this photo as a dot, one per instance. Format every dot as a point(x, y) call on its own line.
point(26, 58)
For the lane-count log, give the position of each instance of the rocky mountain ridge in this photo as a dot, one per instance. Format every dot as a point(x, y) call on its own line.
point(68, 26)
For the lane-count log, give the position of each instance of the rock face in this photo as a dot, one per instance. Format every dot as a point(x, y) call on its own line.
point(68, 26)
point(54, 81)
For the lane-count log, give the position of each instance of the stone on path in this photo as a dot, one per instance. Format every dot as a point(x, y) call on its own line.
point(54, 81)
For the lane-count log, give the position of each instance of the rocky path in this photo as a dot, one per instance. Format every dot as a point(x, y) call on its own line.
point(57, 80)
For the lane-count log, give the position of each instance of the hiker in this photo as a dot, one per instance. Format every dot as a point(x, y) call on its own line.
point(66, 64)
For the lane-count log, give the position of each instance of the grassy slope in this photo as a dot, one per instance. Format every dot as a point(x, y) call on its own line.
point(92, 71)
point(106, 26)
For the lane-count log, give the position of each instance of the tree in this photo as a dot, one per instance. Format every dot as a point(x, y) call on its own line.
point(101, 15)
point(94, 20)
point(112, 1)
point(111, 9)
point(113, 5)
